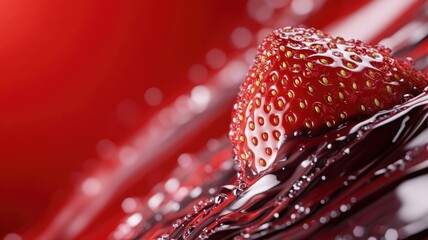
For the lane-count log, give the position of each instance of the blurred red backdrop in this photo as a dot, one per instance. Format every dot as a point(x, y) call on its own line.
point(69, 70)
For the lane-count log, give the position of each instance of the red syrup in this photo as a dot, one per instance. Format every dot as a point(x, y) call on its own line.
point(345, 183)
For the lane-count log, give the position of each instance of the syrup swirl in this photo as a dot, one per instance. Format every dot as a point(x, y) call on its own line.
point(350, 183)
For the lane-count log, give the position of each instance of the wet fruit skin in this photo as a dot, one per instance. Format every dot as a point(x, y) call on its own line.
point(304, 81)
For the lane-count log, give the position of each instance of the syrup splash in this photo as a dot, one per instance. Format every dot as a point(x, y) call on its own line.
point(346, 183)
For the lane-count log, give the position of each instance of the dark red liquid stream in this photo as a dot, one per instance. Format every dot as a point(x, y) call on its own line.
point(330, 185)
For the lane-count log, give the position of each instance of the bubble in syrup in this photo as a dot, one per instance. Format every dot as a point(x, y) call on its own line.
point(176, 223)
point(220, 198)
point(164, 237)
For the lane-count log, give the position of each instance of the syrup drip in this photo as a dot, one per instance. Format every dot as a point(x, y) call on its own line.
point(345, 183)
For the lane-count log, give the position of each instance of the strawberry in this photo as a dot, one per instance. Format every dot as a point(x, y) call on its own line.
point(307, 81)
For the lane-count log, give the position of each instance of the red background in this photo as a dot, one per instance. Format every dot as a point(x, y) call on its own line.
point(65, 66)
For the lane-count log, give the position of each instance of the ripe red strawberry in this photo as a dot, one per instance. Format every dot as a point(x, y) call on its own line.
point(305, 80)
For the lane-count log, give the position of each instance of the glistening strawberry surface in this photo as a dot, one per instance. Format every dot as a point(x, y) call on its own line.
point(304, 80)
